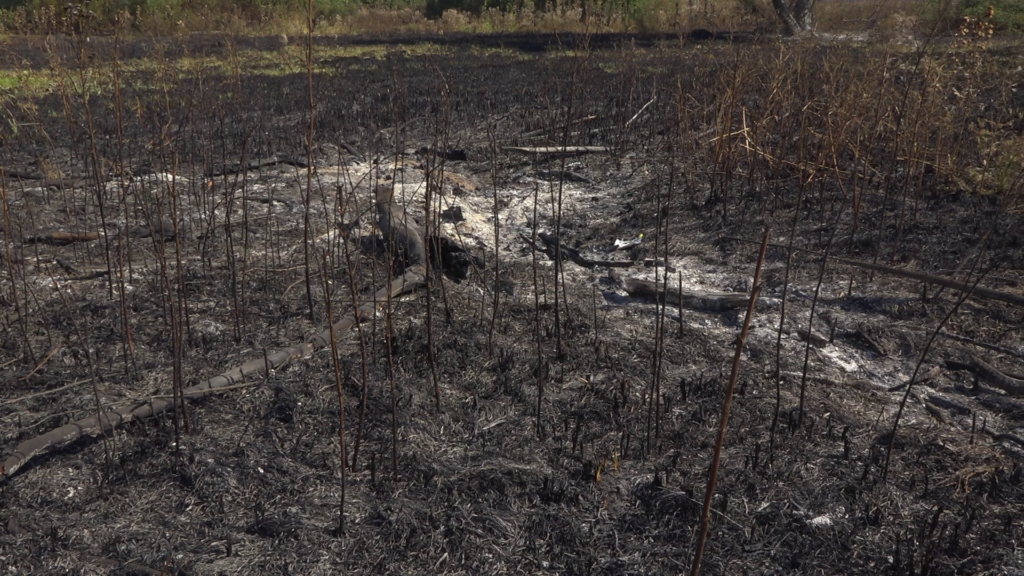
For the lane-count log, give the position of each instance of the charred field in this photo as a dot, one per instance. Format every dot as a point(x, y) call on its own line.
point(168, 214)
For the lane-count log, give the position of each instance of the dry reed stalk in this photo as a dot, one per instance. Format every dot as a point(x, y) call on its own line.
point(705, 519)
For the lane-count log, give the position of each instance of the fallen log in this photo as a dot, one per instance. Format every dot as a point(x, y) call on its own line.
point(948, 404)
point(986, 345)
point(257, 164)
point(548, 130)
point(938, 280)
point(66, 183)
point(862, 335)
point(564, 175)
point(1001, 404)
point(163, 230)
point(1009, 438)
point(990, 375)
point(701, 301)
point(936, 413)
point(47, 182)
point(16, 175)
point(994, 377)
point(816, 340)
point(919, 276)
point(558, 149)
point(63, 238)
point(351, 149)
point(76, 274)
point(414, 277)
point(553, 247)
point(453, 154)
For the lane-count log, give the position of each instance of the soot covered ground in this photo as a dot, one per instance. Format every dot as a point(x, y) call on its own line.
point(599, 481)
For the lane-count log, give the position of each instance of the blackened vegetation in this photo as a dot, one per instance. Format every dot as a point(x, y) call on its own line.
point(603, 480)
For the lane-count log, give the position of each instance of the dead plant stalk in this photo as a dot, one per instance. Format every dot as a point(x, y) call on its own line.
point(705, 518)
point(336, 364)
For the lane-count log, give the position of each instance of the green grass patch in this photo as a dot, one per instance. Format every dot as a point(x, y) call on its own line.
point(25, 82)
point(157, 71)
point(1007, 15)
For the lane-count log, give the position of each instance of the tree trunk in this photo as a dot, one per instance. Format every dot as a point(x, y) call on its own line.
point(795, 16)
point(802, 13)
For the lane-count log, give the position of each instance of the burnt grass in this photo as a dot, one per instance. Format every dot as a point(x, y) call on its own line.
point(600, 481)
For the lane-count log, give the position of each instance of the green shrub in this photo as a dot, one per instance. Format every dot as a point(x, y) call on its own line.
point(1007, 16)
point(436, 8)
point(332, 8)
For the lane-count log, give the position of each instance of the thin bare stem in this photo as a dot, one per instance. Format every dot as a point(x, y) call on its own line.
point(338, 387)
point(705, 518)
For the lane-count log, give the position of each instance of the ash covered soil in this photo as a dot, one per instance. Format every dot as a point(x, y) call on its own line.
point(601, 479)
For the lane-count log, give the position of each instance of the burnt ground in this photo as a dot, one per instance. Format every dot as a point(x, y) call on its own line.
point(599, 481)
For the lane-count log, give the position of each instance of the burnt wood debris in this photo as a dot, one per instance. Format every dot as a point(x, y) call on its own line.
point(178, 233)
point(398, 228)
point(406, 237)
